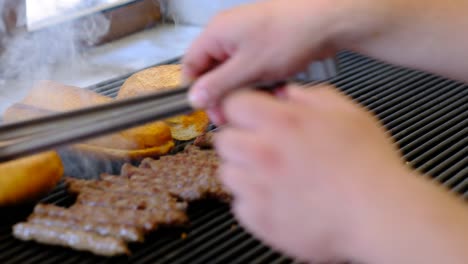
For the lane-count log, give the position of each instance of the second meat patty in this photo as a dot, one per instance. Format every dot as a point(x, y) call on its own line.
point(117, 209)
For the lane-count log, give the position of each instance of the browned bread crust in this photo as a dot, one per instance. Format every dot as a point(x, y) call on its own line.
point(184, 127)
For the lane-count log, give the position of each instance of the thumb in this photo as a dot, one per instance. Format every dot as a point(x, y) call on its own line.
point(208, 90)
point(319, 96)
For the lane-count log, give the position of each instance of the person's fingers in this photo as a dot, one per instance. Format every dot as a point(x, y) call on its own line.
point(231, 74)
point(318, 97)
point(245, 149)
point(204, 54)
point(216, 116)
point(256, 111)
point(243, 183)
point(254, 217)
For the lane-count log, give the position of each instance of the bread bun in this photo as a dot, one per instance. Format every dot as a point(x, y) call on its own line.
point(49, 97)
point(30, 178)
point(187, 127)
point(121, 154)
point(148, 136)
point(183, 127)
point(58, 97)
point(151, 79)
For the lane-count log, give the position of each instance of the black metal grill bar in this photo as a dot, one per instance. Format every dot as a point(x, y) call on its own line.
point(426, 114)
point(451, 166)
point(431, 142)
point(381, 96)
point(31, 256)
point(281, 260)
point(426, 109)
point(216, 254)
point(460, 188)
point(46, 257)
point(112, 93)
point(395, 95)
point(267, 257)
point(458, 151)
point(209, 240)
point(201, 225)
point(354, 64)
point(435, 140)
point(360, 75)
point(455, 173)
point(11, 249)
point(348, 60)
point(62, 200)
point(57, 196)
point(359, 64)
point(55, 258)
point(437, 159)
point(111, 88)
point(376, 83)
point(458, 181)
point(251, 253)
point(396, 113)
point(249, 245)
point(426, 119)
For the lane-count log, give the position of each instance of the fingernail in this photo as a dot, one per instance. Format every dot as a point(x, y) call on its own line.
point(216, 117)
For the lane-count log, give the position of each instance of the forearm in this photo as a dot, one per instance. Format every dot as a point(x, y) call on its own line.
point(430, 35)
point(424, 224)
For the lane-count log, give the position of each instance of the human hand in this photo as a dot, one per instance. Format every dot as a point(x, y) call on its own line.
point(263, 41)
point(316, 176)
point(272, 40)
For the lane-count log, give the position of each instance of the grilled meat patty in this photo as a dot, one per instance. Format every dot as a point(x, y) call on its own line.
point(123, 208)
point(127, 233)
point(205, 141)
point(75, 239)
point(190, 175)
point(146, 220)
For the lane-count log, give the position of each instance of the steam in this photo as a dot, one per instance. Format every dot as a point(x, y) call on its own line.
point(29, 57)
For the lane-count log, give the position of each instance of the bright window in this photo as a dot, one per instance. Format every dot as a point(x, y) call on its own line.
point(41, 13)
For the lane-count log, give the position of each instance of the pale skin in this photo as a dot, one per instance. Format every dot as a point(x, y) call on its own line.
point(314, 174)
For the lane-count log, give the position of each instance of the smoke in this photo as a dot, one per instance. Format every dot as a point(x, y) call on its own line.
point(31, 56)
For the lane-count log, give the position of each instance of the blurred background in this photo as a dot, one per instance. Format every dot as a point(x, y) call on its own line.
point(83, 42)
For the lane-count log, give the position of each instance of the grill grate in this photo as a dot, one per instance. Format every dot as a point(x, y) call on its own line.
point(426, 114)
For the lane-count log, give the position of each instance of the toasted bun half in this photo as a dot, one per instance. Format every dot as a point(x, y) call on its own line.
point(183, 127)
point(58, 97)
point(30, 178)
point(120, 154)
point(151, 79)
point(153, 136)
point(49, 97)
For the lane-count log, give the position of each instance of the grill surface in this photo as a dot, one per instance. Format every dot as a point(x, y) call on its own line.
point(426, 114)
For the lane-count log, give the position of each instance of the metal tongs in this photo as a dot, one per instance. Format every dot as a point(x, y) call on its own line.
point(36, 135)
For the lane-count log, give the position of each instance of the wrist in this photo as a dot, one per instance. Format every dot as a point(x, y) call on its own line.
point(362, 21)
